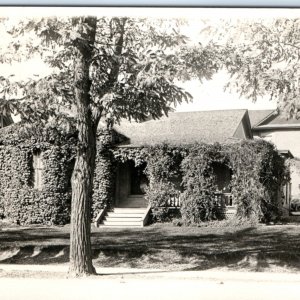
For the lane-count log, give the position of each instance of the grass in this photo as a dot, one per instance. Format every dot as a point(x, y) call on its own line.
point(163, 246)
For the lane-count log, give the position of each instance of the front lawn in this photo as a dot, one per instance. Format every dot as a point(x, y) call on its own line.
point(163, 246)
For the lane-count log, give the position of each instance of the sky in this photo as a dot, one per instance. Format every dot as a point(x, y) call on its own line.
point(208, 95)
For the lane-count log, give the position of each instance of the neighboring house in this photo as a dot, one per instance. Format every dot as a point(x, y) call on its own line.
point(285, 134)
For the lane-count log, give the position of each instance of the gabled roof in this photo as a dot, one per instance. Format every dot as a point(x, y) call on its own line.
point(277, 120)
point(257, 116)
point(187, 128)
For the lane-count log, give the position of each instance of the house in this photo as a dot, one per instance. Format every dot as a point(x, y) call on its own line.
point(137, 161)
point(226, 127)
point(184, 128)
point(284, 133)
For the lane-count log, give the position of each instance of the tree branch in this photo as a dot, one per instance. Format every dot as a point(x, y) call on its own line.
point(118, 51)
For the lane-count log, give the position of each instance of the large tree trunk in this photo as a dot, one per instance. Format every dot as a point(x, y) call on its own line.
point(82, 182)
point(82, 178)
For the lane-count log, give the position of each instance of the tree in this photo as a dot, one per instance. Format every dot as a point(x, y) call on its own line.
point(108, 68)
point(265, 60)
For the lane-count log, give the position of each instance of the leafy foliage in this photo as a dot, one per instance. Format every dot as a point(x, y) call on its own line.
point(198, 199)
point(266, 61)
point(165, 178)
point(104, 178)
point(20, 202)
point(158, 195)
point(258, 175)
point(134, 64)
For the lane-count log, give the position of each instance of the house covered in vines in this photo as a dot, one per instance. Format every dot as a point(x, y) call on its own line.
point(195, 166)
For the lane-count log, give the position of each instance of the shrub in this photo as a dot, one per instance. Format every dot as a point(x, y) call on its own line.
point(259, 174)
point(198, 198)
point(104, 175)
point(158, 196)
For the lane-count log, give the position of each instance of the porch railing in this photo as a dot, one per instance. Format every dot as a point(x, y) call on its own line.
point(174, 201)
point(221, 199)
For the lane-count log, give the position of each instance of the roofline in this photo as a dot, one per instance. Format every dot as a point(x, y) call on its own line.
point(274, 112)
point(246, 115)
point(249, 131)
point(209, 110)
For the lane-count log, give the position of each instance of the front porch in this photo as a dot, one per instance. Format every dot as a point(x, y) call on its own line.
point(130, 208)
point(131, 183)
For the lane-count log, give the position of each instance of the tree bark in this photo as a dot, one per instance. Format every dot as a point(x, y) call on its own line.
point(82, 178)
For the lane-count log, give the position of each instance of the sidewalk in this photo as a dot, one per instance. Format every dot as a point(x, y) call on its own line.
point(131, 273)
point(136, 284)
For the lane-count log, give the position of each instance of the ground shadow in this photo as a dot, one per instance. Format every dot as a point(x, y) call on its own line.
point(167, 248)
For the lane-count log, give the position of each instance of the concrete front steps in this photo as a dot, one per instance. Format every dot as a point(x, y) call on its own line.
point(125, 217)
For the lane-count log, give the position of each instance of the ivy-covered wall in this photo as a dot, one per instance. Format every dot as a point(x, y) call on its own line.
point(104, 178)
point(20, 201)
point(185, 172)
point(258, 174)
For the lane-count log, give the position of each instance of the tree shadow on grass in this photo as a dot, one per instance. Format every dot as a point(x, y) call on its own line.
point(254, 249)
point(35, 255)
point(243, 249)
point(32, 234)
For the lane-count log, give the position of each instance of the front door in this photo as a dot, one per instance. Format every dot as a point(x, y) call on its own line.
point(138, 180)
point(131, 184)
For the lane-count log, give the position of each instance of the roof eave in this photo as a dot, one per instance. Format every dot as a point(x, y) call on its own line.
point(268, 127)
point(273, 113)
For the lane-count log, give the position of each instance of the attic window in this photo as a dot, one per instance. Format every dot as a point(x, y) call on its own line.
point(38, 169)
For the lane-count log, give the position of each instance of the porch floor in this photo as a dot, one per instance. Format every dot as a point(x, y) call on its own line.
point(133, 201)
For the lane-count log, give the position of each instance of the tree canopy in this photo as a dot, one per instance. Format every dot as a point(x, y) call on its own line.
point(265, 60)
point(134, 64)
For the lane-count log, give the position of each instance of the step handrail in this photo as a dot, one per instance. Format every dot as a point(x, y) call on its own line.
point(146, 215)
point(100, 216)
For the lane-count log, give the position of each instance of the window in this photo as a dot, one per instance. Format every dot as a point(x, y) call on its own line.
point(38, 170)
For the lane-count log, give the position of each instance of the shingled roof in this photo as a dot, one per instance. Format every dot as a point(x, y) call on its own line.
point(186, 127)
point(256, 116)
point(274, 120)
point(280, 119)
